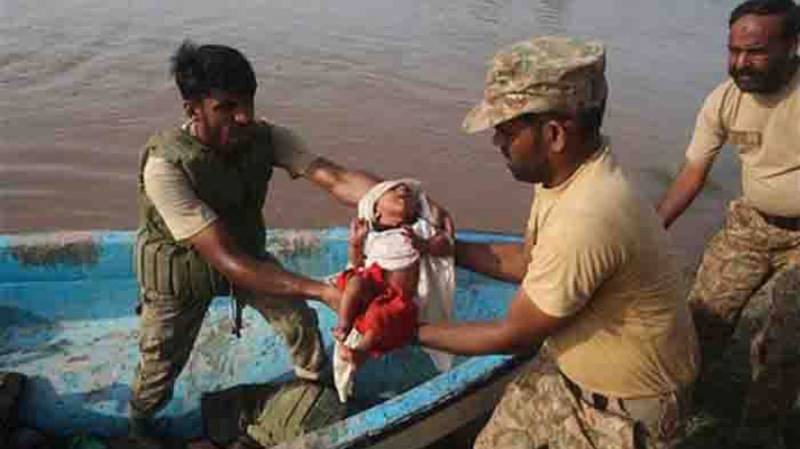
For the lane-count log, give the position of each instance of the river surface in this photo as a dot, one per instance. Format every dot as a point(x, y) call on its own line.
point(374, 84)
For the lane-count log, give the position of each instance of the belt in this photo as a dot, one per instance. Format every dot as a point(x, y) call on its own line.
point(787, 223)
point(599, 401)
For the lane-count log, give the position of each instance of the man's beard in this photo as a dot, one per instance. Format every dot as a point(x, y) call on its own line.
point(761, 82)
point(239, 137)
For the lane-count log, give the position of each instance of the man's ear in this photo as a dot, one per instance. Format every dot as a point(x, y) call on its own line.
point(555, 133)
point(190, 108)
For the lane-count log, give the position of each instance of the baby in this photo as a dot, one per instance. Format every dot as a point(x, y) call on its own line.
point(387, 242)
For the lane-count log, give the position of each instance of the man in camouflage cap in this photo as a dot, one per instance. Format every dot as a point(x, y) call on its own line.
point(597, 283)
point(541, 75)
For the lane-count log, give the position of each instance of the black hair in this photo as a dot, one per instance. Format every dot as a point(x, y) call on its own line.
point(200, 69)
point(786, 8)
point(588, 120)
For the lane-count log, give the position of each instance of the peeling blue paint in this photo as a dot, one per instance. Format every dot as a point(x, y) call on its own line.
point(71, 248)
point(69, 325)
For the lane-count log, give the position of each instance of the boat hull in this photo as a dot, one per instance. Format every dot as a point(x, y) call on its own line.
point(68, 300)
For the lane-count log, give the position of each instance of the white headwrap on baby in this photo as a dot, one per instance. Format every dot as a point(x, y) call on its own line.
point(366, 205)
point(390, 248)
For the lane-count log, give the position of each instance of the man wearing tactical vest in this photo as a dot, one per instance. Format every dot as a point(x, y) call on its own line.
point(201, 234)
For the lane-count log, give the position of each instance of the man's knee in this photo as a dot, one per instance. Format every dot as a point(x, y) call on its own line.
point(161, 360)
point(164, 348)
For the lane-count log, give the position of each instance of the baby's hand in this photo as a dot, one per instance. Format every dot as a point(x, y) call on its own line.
point(358, 231)
point(437, 246)
point(417, 242)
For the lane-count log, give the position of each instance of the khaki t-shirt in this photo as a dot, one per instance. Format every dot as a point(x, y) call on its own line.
point(766, 130)
point(183, 212)
point(599, 252)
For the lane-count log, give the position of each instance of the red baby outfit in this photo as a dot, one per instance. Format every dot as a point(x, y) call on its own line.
point(390, 314)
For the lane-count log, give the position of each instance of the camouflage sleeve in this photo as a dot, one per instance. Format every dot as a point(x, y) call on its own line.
point(290, 151)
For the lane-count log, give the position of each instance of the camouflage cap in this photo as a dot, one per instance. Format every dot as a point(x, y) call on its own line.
point(544, 74)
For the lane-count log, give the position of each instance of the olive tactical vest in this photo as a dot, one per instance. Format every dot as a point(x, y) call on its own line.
point(234, 185)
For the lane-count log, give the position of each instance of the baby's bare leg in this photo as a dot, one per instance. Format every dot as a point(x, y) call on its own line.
point(355, 296)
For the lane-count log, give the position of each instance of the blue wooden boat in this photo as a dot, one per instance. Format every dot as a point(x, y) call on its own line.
point(67, 321)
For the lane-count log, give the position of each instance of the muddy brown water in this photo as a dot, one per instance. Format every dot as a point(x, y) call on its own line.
point(374, 84)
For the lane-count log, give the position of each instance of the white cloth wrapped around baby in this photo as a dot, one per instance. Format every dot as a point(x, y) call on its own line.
point(391, 250)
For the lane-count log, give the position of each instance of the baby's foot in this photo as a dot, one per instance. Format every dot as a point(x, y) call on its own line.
point(340, 331)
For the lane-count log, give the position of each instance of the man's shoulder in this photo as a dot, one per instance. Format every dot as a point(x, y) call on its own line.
point(604, 180)
point(163, 136)
point(724, 91)
point(171, 144)
point(263, 131)
point(606, 197)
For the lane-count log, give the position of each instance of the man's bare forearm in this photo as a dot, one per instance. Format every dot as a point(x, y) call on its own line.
point(504, 261)
point(522, 331)
point(682, 192)
point(270, 279)
point(345, 185)
point(474, 338)
point(217, 247)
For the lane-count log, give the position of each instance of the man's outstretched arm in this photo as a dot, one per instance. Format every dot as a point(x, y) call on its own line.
point(504, 261)
point(218, 248)
point(521, 332)
point(684, 189)
point(347, 186)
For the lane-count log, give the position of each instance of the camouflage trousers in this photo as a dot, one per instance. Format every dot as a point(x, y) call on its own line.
point(751, 268)
point(168, 328)
point(542, 409)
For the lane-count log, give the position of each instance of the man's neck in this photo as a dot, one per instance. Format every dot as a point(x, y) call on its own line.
point(579, 155)
point(791, 70)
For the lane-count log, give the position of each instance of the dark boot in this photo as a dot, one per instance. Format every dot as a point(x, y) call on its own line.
point(142, 431)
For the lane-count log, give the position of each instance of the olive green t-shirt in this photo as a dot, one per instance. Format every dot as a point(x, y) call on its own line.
point(183, 212)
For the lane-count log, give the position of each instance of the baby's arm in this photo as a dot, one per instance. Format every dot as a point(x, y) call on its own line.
point(355, 249)
point(356, 291)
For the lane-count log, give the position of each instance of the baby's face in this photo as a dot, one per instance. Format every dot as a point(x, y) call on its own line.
point(397, 206)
